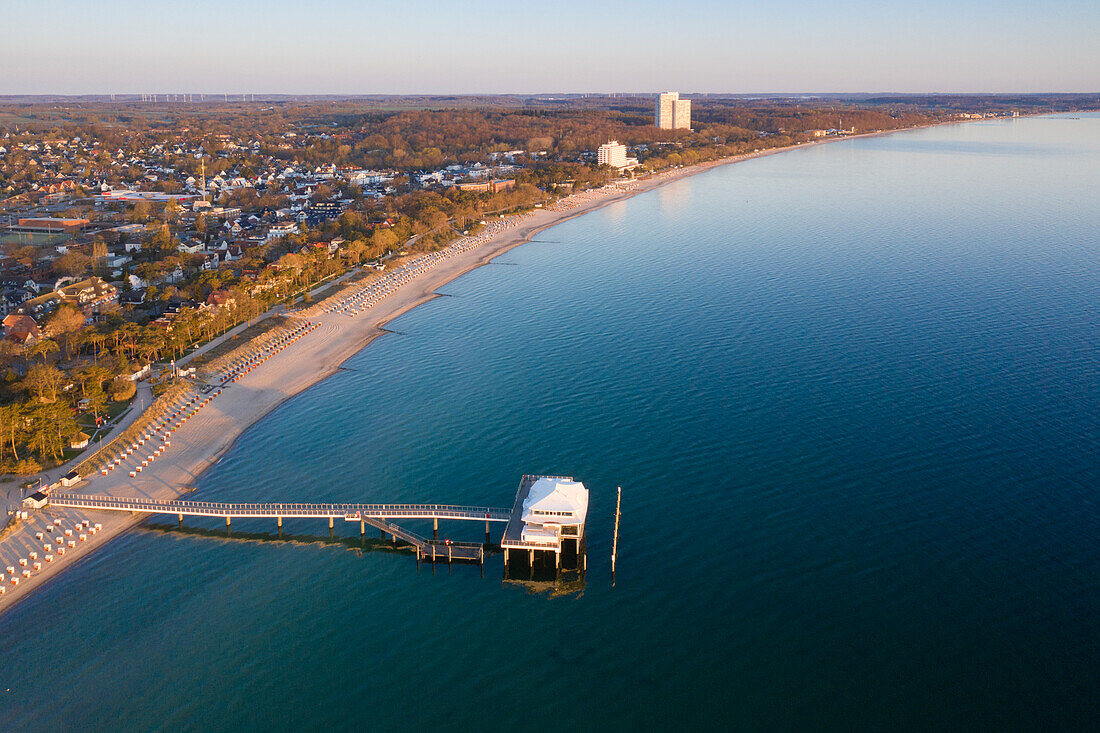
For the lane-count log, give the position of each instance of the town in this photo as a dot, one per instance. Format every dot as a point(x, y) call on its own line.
point(135, 230)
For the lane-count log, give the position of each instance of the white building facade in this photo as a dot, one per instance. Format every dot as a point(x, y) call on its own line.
point(612, 153)
point(671, 112)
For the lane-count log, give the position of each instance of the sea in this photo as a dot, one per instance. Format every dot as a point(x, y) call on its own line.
point(851, 394)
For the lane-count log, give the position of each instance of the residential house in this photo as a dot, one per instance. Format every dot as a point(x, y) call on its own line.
point(22, 329)
point(92, 295)
point(41, 306)
point(280, 230)
point(221, 298)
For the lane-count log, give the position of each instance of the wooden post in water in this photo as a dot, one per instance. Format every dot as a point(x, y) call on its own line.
point(615, 537)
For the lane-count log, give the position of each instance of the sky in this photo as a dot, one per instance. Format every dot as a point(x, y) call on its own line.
point(493, 47)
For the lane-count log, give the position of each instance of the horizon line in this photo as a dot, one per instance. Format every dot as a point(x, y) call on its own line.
point(611, 94)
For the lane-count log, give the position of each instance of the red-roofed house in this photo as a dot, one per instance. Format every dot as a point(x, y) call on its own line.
point(219, 298)
point(22, 329)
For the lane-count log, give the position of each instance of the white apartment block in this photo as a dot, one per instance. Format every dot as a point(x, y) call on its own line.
point(612, 153)
point(671, 112)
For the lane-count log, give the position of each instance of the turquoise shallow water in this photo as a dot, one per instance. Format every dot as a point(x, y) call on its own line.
point(850, 393)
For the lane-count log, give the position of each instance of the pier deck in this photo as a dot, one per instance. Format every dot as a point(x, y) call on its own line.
point(350, 512)
point(440, 551)
point(376, 515)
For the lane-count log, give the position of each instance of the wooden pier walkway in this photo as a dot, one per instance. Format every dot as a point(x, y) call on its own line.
point(379, 516)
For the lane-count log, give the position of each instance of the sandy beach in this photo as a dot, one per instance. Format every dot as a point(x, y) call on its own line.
point(329, 333)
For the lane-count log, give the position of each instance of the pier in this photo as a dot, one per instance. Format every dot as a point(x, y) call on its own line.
point(379, 516)
point(547, 519)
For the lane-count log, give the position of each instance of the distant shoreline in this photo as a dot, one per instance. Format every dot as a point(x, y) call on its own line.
point(320, 356)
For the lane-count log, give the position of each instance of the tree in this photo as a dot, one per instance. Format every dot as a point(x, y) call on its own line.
point(72, 264)
point(26, 467)
point(126, 337)
point(162, 242)
point(121, 389)
point(11, 425)
point(292, 264)
point(50, 425)
point(382, 241)
point(26, 256)
point(97, 339)
point(97, 398)
point(171, 210)
point(44, 348)
point(355, 251)
point(151, 344)
point(44, 381)
point(99, 257)
point(90, 375)
point(66, 325)
point(140, 213)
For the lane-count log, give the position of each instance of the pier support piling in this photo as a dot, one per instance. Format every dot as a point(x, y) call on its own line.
point(330, 523)
point(279, 522)
point(363, 532)
point(180, 519)
point(615, 537)
point(435, 528)
point(227, 522)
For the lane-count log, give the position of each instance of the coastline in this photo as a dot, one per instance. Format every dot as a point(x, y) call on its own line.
point(210, 435)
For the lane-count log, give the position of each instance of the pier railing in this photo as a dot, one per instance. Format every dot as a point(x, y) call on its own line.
point(349, 512)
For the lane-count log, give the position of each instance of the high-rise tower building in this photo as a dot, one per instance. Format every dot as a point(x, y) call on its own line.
point(681, 114)
point(671, 112)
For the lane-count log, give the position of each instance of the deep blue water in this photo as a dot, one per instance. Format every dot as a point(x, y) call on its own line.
point(850, 392)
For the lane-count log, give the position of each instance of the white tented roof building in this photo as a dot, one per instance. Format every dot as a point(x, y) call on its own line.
point(548, 515)
point(556, 501)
